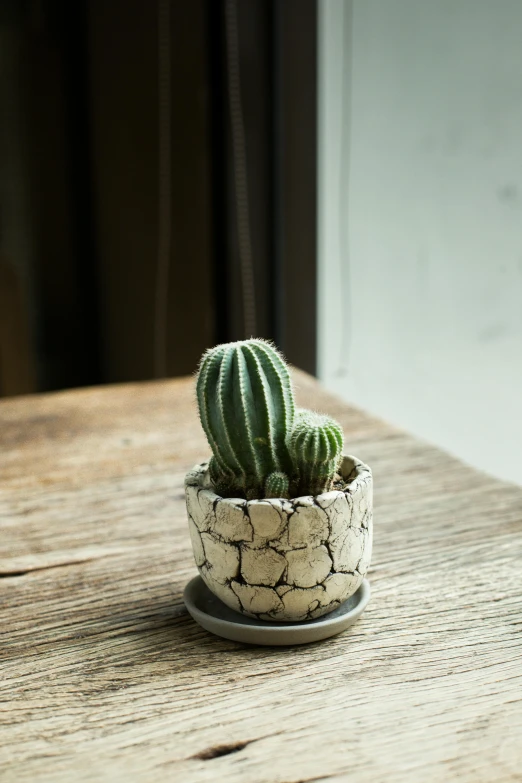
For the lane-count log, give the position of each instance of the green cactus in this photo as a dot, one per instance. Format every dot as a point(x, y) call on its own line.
point(246, 407)
point(316, 446)
point(261, 446)
point(277, 486)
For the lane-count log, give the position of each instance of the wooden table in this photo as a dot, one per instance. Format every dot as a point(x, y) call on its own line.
point(105, 677)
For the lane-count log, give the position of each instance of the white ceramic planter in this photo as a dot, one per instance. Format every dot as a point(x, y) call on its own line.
point(285, 560)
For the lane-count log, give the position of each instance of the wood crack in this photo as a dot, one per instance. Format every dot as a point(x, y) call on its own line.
point(9, 573)
point(216, 751)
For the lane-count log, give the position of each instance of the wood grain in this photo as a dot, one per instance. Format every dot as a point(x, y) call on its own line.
point(106, 678)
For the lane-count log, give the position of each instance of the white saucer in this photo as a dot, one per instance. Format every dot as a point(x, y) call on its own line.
point(214, 616)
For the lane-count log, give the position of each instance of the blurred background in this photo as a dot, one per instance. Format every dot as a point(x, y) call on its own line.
point(341, 176)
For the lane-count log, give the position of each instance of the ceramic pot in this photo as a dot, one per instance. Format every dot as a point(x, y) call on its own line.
point(282, 560)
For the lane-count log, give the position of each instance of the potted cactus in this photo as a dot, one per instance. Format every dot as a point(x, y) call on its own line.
point(280, 520)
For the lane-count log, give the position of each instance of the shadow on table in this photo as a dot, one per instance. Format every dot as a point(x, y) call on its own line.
point(158, 636)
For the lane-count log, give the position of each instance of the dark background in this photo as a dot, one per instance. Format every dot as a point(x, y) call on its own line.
point(157, 185)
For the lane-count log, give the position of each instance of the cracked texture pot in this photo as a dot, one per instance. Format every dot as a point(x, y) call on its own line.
point(285, 560)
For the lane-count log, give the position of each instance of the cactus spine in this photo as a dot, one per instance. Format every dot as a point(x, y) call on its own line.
point(246, 407)
point(316, 446)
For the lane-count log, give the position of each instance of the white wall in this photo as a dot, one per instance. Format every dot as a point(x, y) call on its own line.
point(420, 219)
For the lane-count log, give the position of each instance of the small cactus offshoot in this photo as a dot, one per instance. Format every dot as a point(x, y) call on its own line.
point(262, 448)
point(277, 485)
point(316, 446)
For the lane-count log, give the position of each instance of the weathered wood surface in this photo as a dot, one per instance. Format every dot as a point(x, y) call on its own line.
point(106, 678)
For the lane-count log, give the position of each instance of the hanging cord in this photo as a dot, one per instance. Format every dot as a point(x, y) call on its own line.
point(240, 170)
point(164, 191)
